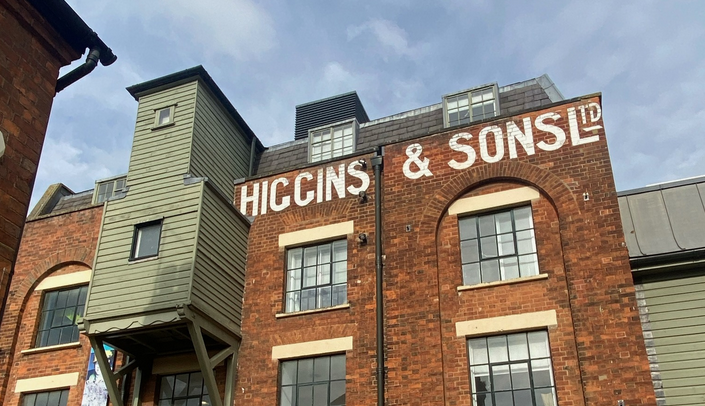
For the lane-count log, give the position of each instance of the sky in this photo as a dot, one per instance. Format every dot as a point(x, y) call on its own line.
point(647, 58)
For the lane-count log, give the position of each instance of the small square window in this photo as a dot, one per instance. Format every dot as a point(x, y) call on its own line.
point(53, 398)
point(145, 242)
point(164, 117)
point(61, 310)
point(472, 105)
point(108, 188)
point(317, 276)
point(331, 142)
point(313, 381)
point(512, 369)
point(498, 246)
point(187, 389)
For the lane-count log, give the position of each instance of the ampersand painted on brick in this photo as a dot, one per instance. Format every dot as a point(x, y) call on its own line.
point(414, 151)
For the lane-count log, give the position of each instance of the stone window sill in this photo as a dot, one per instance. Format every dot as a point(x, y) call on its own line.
point(51, 348)
point(500, 283)
point(321, 310)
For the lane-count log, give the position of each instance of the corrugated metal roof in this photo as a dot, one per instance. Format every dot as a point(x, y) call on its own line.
point(664, 219)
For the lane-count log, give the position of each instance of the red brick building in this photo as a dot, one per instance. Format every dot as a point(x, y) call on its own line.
point(489, 222)
point(37, 39)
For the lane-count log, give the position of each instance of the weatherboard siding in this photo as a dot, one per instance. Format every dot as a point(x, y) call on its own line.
point(219, 270)
point(165, 150)
point(676, 315)
point(220, 152)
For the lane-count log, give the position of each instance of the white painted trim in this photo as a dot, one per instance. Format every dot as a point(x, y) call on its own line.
point(506, 324)
point(505, 282)
point(316, 234)
point(46, 383)
point(309, 348)
point(494, 200)
point(62, 281)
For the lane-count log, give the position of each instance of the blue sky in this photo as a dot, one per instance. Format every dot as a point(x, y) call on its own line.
point(646, 57)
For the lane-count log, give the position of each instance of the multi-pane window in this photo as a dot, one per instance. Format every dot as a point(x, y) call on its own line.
point(317, 276)
point(188, 389)
point(332, 142)
point(313, 382)
point(471, 106)
point(53, 398)
point(512, 370)
point(164, 116)
point(61, 310)
point(107, 189)
point(498, 246)
point(145, 242)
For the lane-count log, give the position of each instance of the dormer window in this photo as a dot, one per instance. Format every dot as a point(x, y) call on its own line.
point(470, 105)
point(164, 117)
point(332, 141)
point(107, 188)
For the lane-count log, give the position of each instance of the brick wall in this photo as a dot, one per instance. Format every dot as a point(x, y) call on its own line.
point(50, 246)
point(597, 347)
point(31, 54)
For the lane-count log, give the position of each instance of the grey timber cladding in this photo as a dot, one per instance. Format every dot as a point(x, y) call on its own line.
point(674, 316)
point(280, 158)
point(219, 270)
point(664, 219)
point(328, 111)
point(219, 152)
point(162, 152)
point(120, 288)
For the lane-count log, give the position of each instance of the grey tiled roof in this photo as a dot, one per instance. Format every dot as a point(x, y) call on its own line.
point(74, 202)
point(513, 98)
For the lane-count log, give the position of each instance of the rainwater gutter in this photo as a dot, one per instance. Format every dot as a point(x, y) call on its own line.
point(377, 165)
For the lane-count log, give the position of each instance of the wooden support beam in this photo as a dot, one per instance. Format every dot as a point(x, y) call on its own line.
point(108, 376)
point(204, 363)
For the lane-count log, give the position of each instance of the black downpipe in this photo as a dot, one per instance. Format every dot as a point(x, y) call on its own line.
point(378, 165)
point(81, 71)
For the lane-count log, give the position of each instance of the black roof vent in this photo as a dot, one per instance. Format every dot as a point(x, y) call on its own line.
point(328, 111)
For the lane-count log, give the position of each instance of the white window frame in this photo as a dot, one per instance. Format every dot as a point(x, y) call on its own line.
point(312, 133)
point(157, 114)
point(469, 93)
point(114, 181)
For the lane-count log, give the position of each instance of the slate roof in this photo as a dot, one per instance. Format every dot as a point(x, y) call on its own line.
point(416, 123)
point(664, 220)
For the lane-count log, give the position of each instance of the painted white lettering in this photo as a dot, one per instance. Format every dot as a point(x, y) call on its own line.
point(467, 149)
point(335, 181)
point(319, 186)
point(297, 189)
point(265, 195)
point(526, 138)
point(286, 200)
point(498, 142)
point(413, 152)
point(595, 112)
point(574, 132)
point(363, 176)
point(582, 114)
point(254, 199)
point(551, 129)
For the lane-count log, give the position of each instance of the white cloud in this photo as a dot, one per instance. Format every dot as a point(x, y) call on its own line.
point(241, 29)
point(389, 35)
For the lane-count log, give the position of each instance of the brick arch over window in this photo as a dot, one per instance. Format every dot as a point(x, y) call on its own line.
point(19, 295)
point(552, 187)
